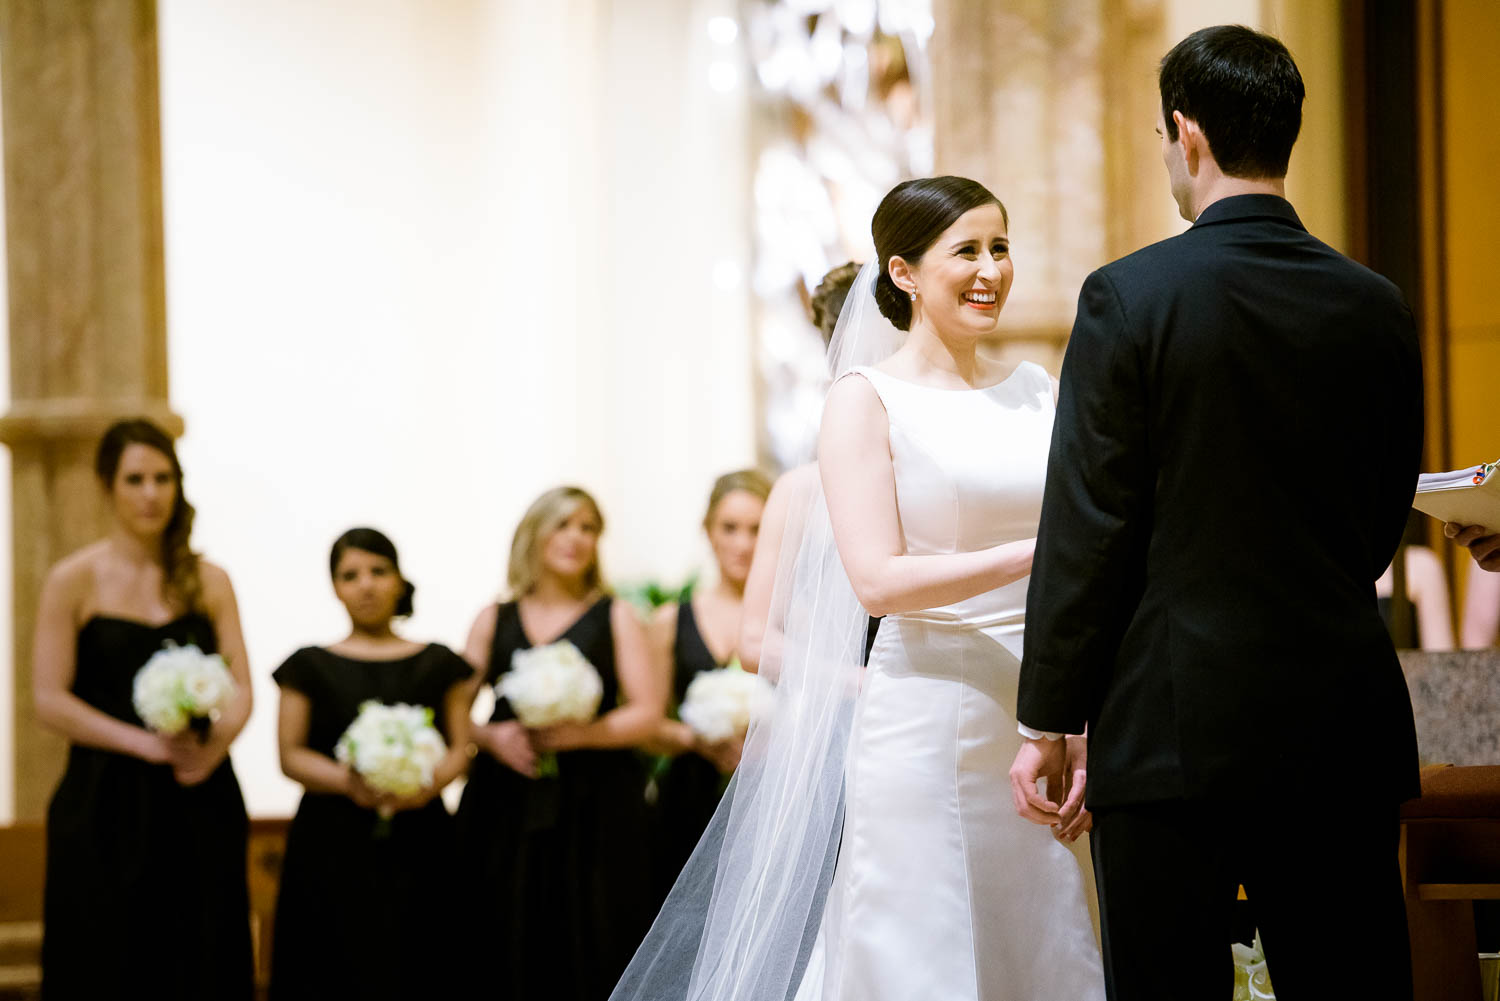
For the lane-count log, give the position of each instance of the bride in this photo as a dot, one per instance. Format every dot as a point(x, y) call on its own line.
point(868, 847)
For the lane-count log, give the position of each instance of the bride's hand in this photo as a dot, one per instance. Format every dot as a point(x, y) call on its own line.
point(1037, 759)
point(1073, 818)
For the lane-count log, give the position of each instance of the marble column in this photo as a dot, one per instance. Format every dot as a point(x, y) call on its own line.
point(1018, 93)
point(87, 301)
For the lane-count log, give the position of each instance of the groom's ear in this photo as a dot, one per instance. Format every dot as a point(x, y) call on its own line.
point(1194, 143)
point(901, 275)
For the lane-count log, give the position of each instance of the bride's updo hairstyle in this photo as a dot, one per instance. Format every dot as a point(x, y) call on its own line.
point(909, 221)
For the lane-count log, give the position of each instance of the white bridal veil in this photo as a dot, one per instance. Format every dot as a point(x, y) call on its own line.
point(740, 922)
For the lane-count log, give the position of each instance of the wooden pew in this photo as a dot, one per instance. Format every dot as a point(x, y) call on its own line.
point(23, 859)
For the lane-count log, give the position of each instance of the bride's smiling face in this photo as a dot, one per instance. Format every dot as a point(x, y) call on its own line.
point(963, 279)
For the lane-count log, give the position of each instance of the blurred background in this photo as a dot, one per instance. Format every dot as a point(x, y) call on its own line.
point(408, 263)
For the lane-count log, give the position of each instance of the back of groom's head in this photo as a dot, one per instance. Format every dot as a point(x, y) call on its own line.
point(1243, 90)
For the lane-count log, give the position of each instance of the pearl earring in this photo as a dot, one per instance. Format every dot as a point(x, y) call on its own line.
point(914, 295)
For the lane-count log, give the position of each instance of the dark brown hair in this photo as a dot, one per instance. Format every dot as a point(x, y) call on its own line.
point(1244, 91)
point(828, 298)
point(180, 577)
point(909, 220)
point(370, 540)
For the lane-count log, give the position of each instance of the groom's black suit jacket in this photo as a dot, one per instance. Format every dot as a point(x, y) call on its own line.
point(1236, 448)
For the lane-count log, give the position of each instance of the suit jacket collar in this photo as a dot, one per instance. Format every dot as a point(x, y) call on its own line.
point(1237, 207)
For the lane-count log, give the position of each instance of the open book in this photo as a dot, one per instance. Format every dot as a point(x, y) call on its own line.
point(1468, 496)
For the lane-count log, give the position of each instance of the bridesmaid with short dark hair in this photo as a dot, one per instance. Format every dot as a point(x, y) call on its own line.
point(369, 885)
point(146, 835)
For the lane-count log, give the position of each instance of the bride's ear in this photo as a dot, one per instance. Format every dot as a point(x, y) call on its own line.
point(901, 275)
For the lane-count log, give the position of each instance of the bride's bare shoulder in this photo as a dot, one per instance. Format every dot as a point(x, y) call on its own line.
point(852, 396)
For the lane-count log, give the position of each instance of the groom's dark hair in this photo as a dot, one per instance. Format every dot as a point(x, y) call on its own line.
point(1243, 90)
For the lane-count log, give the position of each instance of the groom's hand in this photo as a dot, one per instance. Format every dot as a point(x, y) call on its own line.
point(1074, 819)
point(1038, 759)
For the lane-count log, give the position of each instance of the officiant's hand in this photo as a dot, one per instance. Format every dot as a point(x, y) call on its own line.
point(1073, 818)
point(1037, 759)
point(1481, 542)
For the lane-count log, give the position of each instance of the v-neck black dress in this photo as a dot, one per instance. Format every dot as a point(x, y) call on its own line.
point(366, 910)
point(558, 869)
point(146, 891)
point(688, 792)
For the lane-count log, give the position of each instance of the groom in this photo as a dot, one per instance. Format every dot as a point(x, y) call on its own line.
point(1234, 456)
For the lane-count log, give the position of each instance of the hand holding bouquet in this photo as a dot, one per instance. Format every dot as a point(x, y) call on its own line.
point(550, 685)
point(720, 705)
point(393, 749)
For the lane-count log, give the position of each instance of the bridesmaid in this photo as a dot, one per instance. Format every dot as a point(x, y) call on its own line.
point(701, 635)
point(353, 889)
point(146, 835)
point(559, 866)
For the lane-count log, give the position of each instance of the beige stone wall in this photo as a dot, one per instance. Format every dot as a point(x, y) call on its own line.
point(85, 288)
point(1054, 104)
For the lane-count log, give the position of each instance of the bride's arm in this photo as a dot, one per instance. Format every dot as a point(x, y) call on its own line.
point(859, 483)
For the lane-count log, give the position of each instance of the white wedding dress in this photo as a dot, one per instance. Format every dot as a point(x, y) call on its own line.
point(941, 891)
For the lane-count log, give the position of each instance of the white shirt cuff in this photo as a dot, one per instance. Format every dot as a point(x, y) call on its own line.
point(1031, 734)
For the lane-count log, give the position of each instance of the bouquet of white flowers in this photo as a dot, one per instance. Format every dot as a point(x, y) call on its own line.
point(179, 686)
point(394, 749)
point(721, 704)
point(549, 685)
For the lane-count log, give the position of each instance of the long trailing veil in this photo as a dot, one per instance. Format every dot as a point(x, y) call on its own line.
point(740, 922)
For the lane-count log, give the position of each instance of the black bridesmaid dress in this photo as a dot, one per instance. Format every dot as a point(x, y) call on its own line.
point(690, 789)
point(366, 909)
point(558, 869)
point(146, 879)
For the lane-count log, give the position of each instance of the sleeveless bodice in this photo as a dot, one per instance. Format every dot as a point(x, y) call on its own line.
point(690, 653)
point(941, 889)
point(970, 466)
point(111, 650)
point(592, 634)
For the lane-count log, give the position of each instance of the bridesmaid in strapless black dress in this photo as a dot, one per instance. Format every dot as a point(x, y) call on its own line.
point(366, 909)
point(689, 790)
point(558, 869)
point(146, 835)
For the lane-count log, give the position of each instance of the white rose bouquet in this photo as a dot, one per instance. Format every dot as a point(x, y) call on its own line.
point(394, 749)
point(721, 704)
point(181, 686)
point(549, 685)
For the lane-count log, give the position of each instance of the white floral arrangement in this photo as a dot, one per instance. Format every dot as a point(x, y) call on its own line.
point(551, 684)
point(1252, 978)
point(180, 684)
point(721, 704)
point(393, 748)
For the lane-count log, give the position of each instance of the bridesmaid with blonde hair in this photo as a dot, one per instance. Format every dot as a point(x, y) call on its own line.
point(701, 634)
point(557, 859)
